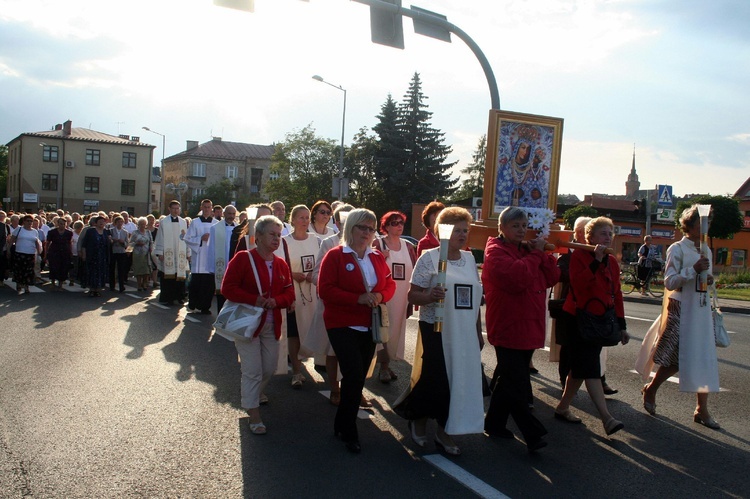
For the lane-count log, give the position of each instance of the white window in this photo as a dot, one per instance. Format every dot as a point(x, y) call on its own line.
point(231, 171)
point(199, 170)
point(199, 193)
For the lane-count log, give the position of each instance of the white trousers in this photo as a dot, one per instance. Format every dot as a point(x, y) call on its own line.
point(258, 359)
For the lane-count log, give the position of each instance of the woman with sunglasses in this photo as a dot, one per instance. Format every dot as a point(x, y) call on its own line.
point(353, 279)
point(400, 255)
point(320, 215)
point(27, 245)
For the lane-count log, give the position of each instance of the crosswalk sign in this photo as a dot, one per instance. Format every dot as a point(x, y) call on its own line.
point(665, 195)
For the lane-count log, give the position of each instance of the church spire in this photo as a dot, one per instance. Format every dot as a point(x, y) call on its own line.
point(632, 185)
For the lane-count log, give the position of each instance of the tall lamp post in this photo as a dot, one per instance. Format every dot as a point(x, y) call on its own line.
point(161, 169)
point(340, 179)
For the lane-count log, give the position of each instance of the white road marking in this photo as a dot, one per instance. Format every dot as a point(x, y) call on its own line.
point(674, 379)
point(163, 307)
point(471, 482)
point(191, 319)
point(639, 319)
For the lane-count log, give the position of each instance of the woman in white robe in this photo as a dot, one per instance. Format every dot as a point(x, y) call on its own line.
point(400, 255)
point(447, 379)
point(685, 339)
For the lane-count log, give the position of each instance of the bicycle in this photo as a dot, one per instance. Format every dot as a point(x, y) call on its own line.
point(653, 284)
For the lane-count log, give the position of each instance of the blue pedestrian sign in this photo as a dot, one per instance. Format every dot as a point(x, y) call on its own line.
point(665, 195)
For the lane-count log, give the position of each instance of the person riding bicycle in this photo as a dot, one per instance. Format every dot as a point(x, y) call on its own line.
point(649, 261)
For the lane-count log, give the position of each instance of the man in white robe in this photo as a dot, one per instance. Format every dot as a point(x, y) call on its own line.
point(171, 253)
point(202, 287)
point(219, 245)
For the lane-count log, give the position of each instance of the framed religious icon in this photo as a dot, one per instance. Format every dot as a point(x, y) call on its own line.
point(523, 161)
point(463, 296)
point(308, 263)
point(398, 272)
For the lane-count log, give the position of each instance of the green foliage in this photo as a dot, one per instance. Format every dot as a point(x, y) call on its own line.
point(473, 185)
point(570, 216)
point(727, 218)
point(726, 278)
point(306, 166)
point(366, 178)
point(226, 191)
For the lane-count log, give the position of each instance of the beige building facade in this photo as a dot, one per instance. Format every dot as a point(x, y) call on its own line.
point(246, 166)
point(79, 170)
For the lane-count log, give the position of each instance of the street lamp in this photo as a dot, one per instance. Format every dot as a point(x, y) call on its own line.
point(161, 169)
point(340, 180)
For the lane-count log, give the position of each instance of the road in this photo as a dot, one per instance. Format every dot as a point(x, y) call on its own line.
point(119, 397)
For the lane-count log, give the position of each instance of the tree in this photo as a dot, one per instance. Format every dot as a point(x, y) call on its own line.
point(226, 191)
point(366, 181)
point(426, 174)
point(473, 185)
point(727, 218)
point(3, 170)
point(304, 166)
point(570, 216)
point(389, 157)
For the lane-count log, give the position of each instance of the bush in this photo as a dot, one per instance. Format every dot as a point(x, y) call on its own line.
point(734, 279)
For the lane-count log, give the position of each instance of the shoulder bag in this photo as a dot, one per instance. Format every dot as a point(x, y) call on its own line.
point(720, 332)
point(380, 325)
point(240, 321)
point(602, 329)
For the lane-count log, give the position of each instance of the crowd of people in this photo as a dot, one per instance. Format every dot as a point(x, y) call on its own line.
point(319, 275)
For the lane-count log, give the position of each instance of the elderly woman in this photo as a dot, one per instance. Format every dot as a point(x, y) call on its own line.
point(142, 245)
point(429, 214)
point(516, 276)
point(320, 215)
point(685, 340)
point(353, 279)
point(259, 354)
point(449, 386)
point(95, 253)
point(595, 287)
point(302, 247)
point(400, 255)
point(27, 246)
point(58, 253)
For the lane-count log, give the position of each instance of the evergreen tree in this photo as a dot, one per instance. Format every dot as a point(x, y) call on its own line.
point(473, 185)
point(425, 174)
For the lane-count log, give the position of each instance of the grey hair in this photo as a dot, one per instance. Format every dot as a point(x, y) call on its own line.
point(261, 225)
point(343, 207)
point(512, 213)
point(689, 217)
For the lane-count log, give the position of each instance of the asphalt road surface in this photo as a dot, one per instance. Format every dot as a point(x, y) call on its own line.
point(120, 397)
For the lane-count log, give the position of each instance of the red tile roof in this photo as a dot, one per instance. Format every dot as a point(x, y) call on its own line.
point(221, 149)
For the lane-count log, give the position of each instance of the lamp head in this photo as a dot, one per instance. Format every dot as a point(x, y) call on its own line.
point(317, 77)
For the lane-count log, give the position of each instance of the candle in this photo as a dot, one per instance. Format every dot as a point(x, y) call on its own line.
point(444, 234)
point(701, 282)
point(252, 214)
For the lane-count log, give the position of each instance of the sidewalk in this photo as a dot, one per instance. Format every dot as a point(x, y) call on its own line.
point(726, 305)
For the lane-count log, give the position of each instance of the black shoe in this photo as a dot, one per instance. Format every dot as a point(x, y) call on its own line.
point(609, 390)
point(533, 370)
point(353, 446)
point(535, 445)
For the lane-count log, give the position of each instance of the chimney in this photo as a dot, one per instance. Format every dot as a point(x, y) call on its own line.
point(66, 127)
point(192, 144)
point(216, 139)
point(58, 127)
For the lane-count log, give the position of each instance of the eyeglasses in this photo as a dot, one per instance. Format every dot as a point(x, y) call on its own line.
point(396, 223)
point(365, 228)
point(324, 212)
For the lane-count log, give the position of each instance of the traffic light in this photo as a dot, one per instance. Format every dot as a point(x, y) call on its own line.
point(387, 27)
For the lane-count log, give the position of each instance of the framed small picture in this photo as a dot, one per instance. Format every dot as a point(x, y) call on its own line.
point(523, 161)
point(463, 296)
point(398, 272)
point(308, 263)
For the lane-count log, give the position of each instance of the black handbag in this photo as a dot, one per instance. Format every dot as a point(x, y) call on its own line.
point(602, 329)
point(555, 307)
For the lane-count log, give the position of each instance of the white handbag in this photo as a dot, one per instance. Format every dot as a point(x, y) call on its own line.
point(720, 332)
point(240, 321)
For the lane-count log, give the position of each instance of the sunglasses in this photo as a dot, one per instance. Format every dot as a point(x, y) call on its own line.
point(396, 223)
point(365, 228)
point(324, 212)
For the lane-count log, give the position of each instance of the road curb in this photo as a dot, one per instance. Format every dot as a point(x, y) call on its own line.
point(656, 301)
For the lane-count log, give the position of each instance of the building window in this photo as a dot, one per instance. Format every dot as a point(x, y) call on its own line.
point(91, 184)
point(49, 182)
point(256, 176)
point(198, 193)
point(128, 159)
point(92, 157)
point(129, 209)
point(127, 187)
point(199, 170)
point(50, 154)
point(231, 171)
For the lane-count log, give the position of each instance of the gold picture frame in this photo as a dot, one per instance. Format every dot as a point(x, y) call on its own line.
point(523, 161)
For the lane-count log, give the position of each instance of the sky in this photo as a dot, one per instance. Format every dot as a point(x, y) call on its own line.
point(669, 78)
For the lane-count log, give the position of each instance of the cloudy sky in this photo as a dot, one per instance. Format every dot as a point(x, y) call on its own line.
point(670, 76)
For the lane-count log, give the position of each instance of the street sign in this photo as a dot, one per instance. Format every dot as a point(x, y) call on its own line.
point(665, 215)
point(665, 195)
